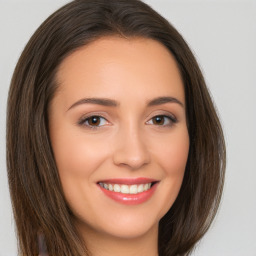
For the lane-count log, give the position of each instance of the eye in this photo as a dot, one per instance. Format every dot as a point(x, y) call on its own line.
point(162, 120)
point(93, 121)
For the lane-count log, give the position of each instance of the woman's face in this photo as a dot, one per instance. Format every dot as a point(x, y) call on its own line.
point(119, 135)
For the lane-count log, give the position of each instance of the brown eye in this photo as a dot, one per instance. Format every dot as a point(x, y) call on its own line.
point(158, 120)
point(93, 120)
point(162, 120)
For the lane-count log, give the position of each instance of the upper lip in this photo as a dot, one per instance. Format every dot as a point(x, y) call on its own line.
point(128, 181)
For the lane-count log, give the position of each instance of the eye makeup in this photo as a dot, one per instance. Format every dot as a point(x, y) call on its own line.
point(96, 121)
point(162, 120)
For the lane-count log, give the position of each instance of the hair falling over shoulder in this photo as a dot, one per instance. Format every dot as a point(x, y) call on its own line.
point(37, 197)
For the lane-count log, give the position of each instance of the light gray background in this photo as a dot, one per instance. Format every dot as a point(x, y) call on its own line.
point(222, 34)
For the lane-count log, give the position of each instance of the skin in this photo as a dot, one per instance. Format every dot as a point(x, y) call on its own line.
point(126, 143)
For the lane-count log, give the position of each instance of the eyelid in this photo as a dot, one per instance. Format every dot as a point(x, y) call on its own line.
point(171, 117)
point(83, 119)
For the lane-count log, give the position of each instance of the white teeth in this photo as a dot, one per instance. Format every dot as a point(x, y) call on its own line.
point(133, 189)
point(110, 187)
point(146, 186)
point(117, 188)
point(126, 189)
point(140, 188)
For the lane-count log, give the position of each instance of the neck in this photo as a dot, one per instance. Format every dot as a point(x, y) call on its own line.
point(102, 244)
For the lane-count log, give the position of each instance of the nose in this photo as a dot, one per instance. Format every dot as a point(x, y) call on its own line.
point(130, 149)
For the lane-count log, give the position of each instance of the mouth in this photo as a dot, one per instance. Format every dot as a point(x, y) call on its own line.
point(129, 191)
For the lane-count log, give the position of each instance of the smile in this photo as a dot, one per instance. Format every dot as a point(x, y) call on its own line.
point(126, 189)
point(129, 191)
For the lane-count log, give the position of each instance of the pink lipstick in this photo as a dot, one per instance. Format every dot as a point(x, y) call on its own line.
point(129, 191)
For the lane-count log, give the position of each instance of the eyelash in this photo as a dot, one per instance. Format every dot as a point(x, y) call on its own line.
point(84, 121)
point(171, 119)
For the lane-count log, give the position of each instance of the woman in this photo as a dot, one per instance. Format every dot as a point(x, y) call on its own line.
point(113, 144)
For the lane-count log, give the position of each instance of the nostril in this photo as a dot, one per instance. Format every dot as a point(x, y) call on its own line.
point(130, 151)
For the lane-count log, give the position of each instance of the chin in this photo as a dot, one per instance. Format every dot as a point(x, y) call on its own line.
point(123, 226)
point(130, 227)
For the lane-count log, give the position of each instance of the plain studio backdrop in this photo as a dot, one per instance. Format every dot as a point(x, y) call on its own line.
point(222, 35)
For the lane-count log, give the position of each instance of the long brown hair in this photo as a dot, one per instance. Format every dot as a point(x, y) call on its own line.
point(37, 197)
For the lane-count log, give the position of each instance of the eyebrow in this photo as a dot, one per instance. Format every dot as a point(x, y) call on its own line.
point(113, 103)
point(97, 101)
point(163, 100)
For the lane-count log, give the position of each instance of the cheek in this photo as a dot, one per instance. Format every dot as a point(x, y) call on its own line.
point(173, 153)
point(76, 155)
point(172, 159)
point(77, 158)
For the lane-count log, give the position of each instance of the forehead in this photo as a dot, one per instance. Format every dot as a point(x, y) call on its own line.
point(114, 66)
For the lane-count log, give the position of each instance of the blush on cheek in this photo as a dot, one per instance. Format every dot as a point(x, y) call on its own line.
point(76, 155)
point(176, 158)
